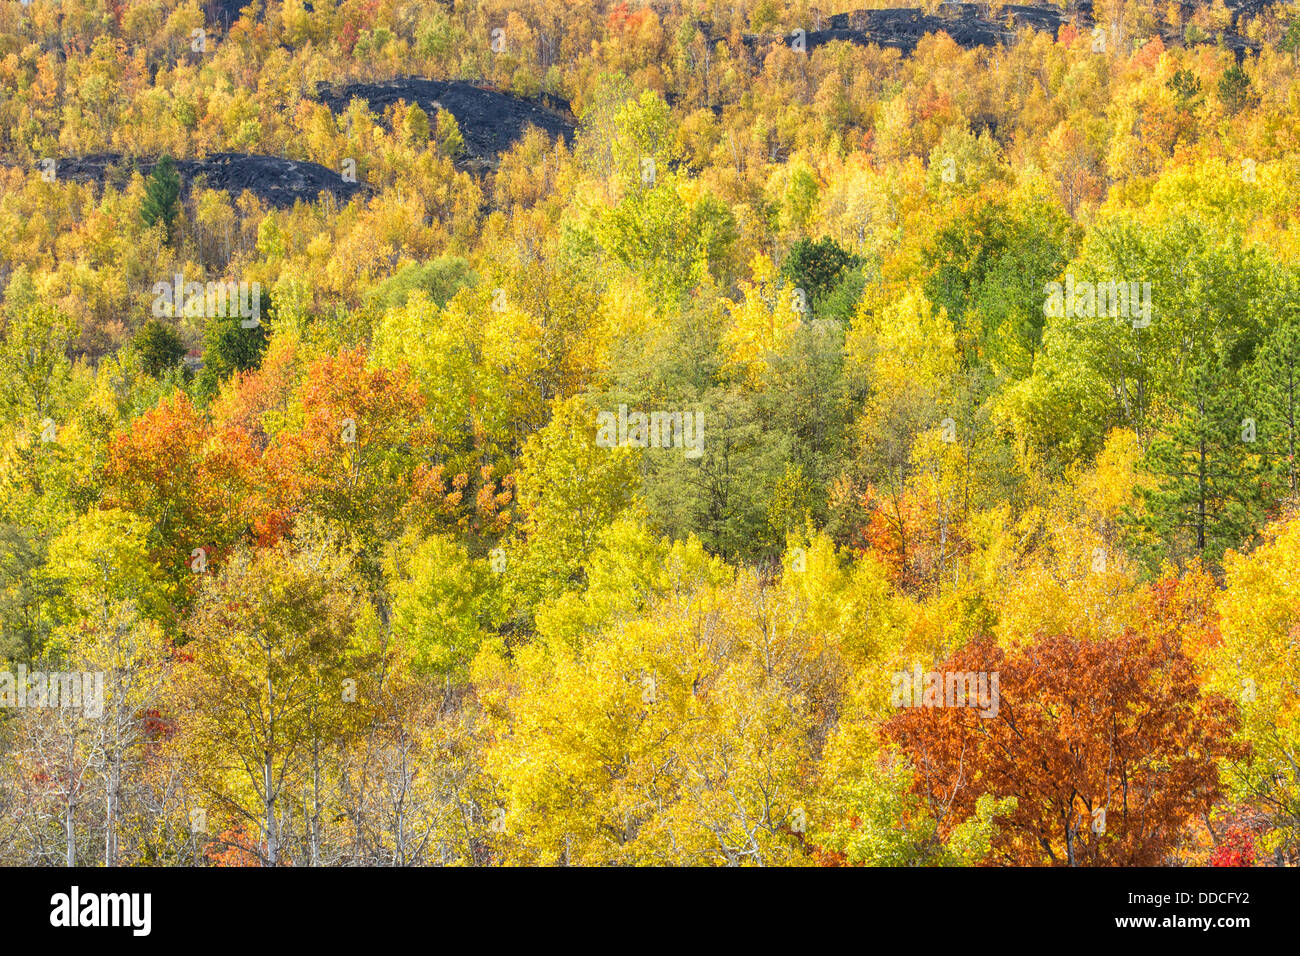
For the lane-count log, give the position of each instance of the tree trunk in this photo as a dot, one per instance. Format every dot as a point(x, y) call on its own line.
point(268, 802)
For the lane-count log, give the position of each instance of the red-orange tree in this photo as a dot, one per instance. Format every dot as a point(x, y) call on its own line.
point(363, 455)
point(1082, 726)
point(353, 455)
point(193, 483)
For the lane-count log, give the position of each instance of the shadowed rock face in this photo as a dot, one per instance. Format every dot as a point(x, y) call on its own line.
point(490, 122)
point(278, 182)
point(222, 13)
point(977, 24)
point(969, 24)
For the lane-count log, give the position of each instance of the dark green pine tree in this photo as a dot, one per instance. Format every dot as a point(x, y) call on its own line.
point(1274, 386)
point(1235, 90)
point(817, 267)
point(162, 192)
point(229, 347)
point(1209, 489)
point(160, 348)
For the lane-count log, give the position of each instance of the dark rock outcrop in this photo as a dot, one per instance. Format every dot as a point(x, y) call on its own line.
point(490, 121)
point(278, 182)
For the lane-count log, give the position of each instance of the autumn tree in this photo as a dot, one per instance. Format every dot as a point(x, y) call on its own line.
point(1255, 664)
point(191, 483)
point(355, 451)
point(1108, 746)
point(263, 695)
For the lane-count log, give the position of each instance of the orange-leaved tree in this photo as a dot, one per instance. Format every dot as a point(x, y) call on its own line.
point(1110, 747)
point(358, 440)
point(190, 481)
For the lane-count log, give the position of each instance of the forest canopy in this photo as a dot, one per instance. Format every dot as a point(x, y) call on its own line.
point(772, 452)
